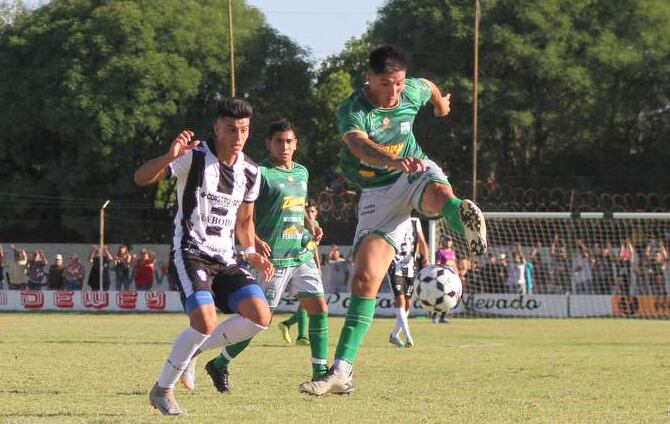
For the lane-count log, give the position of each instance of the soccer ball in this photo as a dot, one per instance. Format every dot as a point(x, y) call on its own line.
point(438, 288)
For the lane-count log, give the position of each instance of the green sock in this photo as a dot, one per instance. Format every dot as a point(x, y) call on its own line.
point(303, 323)
point(293, 319)
point(359, 318)
point(231, 352)
point(450, 213)
point(318, 342)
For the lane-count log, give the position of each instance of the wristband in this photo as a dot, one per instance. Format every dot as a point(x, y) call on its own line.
point(249, 250)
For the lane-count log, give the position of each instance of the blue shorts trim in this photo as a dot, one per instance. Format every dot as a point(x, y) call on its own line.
point(252, 290)
point(198, 299)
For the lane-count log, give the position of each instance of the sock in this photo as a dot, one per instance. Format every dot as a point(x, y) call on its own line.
point(401, 318)
point(293, 319)
point(231, 331)
point(230, 352)
point(450, 213)
point(183, 348)
point(398, 323)
point(318, 342)
point(303, 323)
point(359, 318)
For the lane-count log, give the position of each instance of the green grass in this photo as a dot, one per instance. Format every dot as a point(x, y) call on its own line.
point(73, 368)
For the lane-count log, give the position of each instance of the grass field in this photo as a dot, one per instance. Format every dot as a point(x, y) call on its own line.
point(72, 368)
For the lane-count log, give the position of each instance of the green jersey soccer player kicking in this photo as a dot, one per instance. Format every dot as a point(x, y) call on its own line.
point(382, 156)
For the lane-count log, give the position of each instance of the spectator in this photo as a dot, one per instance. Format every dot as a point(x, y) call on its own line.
point(474, 278)
point(582, 270)
point(562, 266)
point(658, 267)
point(446, 255)
point(17, 274)
point(334, 255)
point(73, 275)
point(516, 272)
point(35, 270)
point(494, 275)
point(645, 269)
point(144, 271)
point(56, 274)
point(624, 266)
point(122, 265)
point(603, 270)
point(529, 275)
point(463, 267)
point(541, 276)
point(2, 267)
point(94, 276)
point(161, 270)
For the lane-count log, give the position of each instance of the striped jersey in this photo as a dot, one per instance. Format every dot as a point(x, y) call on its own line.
point(209, 192)
point(404, 263)
point(390, 129)
point(280, 213)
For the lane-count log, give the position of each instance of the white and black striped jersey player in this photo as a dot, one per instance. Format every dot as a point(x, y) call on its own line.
point(401, 278)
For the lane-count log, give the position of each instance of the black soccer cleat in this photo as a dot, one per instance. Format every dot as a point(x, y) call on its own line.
point(219, 377)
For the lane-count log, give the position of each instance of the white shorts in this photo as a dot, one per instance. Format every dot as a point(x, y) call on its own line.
point(385, 211)
point(300, 281)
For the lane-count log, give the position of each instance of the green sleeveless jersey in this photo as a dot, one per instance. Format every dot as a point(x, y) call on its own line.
point(390, 128)
point(280, 213)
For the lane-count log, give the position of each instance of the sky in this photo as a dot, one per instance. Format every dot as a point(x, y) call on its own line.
point(322, 27)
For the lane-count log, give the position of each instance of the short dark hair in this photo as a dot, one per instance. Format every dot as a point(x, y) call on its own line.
point(234, 107)
point(312, 203)
point(387, 58)
point(280, 126)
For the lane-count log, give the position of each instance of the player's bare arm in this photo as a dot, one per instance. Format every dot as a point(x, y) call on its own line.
point(442, 104)
point(154, 170)
point(246, 234)
point(366, 150)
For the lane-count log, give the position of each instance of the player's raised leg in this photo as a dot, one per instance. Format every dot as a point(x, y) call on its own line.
point(372, 260)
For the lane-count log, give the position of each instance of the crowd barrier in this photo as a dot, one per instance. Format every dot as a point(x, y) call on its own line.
point(481, 305)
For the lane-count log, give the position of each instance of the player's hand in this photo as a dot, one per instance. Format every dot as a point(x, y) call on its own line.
point(261, 264)
point(263, 248)
point(443, 107)
point(409, 165)
point(318, 234)
point(182, 144)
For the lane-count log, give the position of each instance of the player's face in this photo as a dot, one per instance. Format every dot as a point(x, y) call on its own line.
point(311, 212)
point(231, 134)
point(282, 146)
point(385, 89)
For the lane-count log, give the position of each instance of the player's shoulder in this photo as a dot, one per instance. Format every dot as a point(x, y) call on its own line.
point(300, 169)
point(356, 102)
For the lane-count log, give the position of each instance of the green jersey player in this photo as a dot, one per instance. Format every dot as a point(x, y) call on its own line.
point(381, 155)
point(280, 222)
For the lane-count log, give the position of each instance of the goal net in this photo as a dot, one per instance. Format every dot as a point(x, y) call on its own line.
point(564, 265)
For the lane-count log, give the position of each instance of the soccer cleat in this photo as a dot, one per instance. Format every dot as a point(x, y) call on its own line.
point(302, 341)
point(283, 329)
point(163, 400)
point(219, 377)
point(333, 382)
point(187, 378)
point(409, 342)
point(395, 340)
point(475, 227)
point(444, 320)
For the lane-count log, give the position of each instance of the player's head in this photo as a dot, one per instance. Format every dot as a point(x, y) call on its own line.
point(312, 209)
point(386, 75)
point(233, 119)
point(281, 141)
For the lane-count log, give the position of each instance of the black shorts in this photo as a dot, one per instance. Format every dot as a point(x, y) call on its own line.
point(401, 285)
point(190, 272)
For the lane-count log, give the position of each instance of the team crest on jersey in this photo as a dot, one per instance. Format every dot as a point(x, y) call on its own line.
point(291, 233)
point(405, 127)
point(386, 123)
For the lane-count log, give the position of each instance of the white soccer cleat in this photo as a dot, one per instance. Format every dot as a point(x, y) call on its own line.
point(163, 400)
point(187, 378)
point(409, 342)
point(333, 381)
point(395, 340)
point(475, 227)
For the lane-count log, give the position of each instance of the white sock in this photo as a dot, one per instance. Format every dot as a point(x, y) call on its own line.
point(231, 331)
point(183, 349)
point(401, 320)
point(342, 366)
point(398, 323)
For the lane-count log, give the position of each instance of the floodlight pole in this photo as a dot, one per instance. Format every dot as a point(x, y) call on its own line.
point(231, 48)
point(475, 98)
point(102, 239)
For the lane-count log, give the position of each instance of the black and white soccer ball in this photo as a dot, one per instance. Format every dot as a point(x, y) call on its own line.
point(438, 288)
